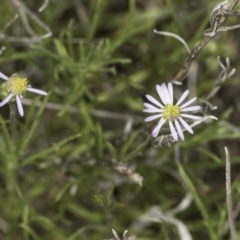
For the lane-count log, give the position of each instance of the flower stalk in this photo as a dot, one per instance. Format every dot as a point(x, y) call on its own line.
point(12, 120)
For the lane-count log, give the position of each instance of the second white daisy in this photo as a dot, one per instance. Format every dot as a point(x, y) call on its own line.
point(171, 113)
point(14, 88)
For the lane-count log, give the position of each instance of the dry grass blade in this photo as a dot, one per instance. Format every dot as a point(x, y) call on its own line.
point(215, 23)
point(229, 196)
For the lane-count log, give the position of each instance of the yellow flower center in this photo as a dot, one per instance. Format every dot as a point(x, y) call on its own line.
point(17, 85)
point(171, 112)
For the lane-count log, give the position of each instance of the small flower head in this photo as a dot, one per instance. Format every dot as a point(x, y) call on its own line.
point(15, 86)
point(170, 113)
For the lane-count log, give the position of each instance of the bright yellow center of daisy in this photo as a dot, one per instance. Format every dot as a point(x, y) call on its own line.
point(17, 85)
point(171, 112)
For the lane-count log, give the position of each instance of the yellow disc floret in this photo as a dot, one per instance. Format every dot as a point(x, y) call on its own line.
point(171, 112)
point(17, 85)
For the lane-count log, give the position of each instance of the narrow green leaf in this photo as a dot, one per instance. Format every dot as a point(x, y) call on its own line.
point(62, 192)
point(125, 33)
point(33, 127)
point(112, 149)
point(44, 221)
point(26, 212)
point(128, 143)
point(76, 234)
point(99, 141)
point(210, 154)
point(6, 135)
point(208, 222)
point(96, 18)
point(84, 213)
point(47, 151)
point(61, 49)
point(30, 231)
point(86, 116)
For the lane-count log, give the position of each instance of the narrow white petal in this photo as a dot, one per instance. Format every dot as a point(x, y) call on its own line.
point(173, 131)
point(153, 100)
point(179, 130)
point(188, 102)
point(190, 116)
point(170, 90)
point(193, 108)
point(37, 91)
point(148, 119)
point(124, 234)
point(185, 124)
point(184, 95)
point(153, 110)
point(161, 94)
point(156, 130)
point(5, 100)
point(150, 106)
point(19, 106)
point(2, 76)
point(166, 94)
point(115, 234)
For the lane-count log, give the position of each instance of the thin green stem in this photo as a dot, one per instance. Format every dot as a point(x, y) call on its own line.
point(12, 120)
point(12, 183)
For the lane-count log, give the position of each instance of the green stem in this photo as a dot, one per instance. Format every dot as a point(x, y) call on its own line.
point(12, 120)
point(12, 183)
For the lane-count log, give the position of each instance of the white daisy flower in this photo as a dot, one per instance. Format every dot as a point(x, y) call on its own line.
point(170, 113)
point(16, 86)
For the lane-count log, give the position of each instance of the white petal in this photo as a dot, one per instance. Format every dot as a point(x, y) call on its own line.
point(190, 116)
point(156, 130)
point(166, 94)
point(161, 94)
point(150, 106)
point(184, 95)
point(188, 103)
point(37, 91)
point(115, 234)
point(153, 100)
point(173, 131)
point(179, 129)
point(148, 119)
point(187, 127)
point(19, 106)
point(124, 234)
point(153, 110)
point(2, 76)
point(193, 108)
point(170, 90)
point(5, 100)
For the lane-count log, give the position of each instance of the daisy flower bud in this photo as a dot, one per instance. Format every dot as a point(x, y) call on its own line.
point(13, 90)
point(170, 113)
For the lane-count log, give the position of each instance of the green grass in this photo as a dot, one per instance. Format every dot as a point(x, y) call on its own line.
point(67, 167)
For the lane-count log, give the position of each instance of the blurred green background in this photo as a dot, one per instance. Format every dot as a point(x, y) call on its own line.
point(58, 179)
